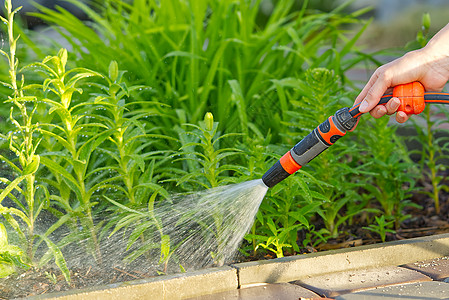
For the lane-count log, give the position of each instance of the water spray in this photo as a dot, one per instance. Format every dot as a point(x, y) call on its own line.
point(413, 100)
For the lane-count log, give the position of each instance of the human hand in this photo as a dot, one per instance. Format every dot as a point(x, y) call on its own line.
point(429, 65)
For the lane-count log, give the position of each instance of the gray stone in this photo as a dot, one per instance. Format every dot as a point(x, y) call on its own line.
point(437, 268)
point(335, 284)
point(276, 291)
point(414, 291)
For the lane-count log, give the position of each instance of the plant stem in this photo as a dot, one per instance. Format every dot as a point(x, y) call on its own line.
point(25, 157)
point(432, 163)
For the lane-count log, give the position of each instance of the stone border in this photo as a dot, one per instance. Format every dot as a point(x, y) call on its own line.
point(362, 257)
point(215, 280)
point(177, 286)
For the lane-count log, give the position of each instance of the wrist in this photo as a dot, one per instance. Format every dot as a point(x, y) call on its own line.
point(436, 57)
point(437, 49)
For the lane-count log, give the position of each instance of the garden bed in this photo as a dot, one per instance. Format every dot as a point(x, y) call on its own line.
point(33, 282)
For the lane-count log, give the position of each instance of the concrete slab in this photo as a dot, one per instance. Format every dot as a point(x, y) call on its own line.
point(437, 269)
point(170, 287)
point(276, 291)
point(335, 284)
point(292, 268)
point(415, 291)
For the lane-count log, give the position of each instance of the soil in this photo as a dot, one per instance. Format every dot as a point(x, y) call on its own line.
point(47, 280)
point(423, 222)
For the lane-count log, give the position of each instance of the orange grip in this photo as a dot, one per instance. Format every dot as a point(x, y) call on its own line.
point(329, 132)
point(289, 164)
point(411, 96)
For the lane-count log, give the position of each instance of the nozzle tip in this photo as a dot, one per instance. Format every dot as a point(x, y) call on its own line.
point(274, 175)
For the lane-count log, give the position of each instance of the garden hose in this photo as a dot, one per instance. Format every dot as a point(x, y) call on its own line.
point(413, 100)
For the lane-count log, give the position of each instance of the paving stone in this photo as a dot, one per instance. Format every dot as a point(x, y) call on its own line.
point(276, 291)
point(413, 291)
point(437, 269)
point(339, 283)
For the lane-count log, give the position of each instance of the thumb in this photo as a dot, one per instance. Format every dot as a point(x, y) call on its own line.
point(373, 96)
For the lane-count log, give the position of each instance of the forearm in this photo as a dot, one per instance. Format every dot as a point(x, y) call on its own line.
point(437, 53)
point(429, 65)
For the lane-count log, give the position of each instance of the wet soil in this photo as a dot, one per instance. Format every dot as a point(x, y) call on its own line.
point(48, 280)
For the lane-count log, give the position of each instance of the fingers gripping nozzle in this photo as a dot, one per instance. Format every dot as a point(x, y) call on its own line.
point(325, 135)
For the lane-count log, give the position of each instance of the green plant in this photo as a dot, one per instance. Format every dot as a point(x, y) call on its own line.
point(381, 227)
point(84, 132)
point(205, 160)
point(146, 227)
point(393, 173)
point(132, 143)
point(51, 277)
point(211, 56)
point(287, 209)
point(207, 165)
point(433, 139)
point(70, 142)
point(11, 257)
point(432, 147)
point(30, 198)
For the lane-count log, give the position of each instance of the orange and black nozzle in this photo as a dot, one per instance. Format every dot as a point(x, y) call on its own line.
point(321, 138)
point(413, 100)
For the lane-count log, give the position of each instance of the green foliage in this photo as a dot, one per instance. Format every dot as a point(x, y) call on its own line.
point(210, 55)
point(393, 173)
point(434, 142)
point(381, 227)
point(30, 198)
point(430, 135)
point(205, 159)
point(287, 209)
point(158, 97)
point(11, 257)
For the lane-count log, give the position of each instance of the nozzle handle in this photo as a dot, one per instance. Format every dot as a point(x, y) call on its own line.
point(321, 138)
point(411, 95)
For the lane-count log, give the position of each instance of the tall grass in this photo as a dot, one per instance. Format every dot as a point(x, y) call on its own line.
point(200, 56)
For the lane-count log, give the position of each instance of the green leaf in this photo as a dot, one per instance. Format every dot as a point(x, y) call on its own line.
point(3, 237)
point(59, 258)
point(165, 248)
point(63, 58)
point(32, 167)
point(113, 70)
point(11, 187)
point(6, 269)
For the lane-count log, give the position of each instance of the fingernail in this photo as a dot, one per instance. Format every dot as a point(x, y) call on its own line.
point(396, 103)
point(363, 106)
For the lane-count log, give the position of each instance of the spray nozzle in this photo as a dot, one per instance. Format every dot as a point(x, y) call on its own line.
point(323, 136)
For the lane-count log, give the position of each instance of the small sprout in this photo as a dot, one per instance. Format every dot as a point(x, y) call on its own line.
point(209, 121)
point(63, 58)
point(113, 70)
point(426, 21)
point(51, 277)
